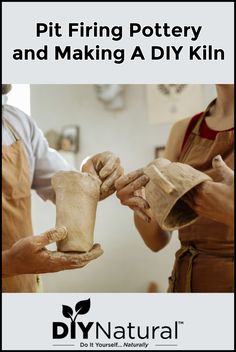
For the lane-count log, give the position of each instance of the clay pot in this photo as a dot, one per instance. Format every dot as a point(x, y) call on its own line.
point(77, 195)
point(169, 182)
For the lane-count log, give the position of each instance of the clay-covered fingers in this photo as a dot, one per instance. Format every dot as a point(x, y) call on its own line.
point(128, 178)
point(84, 258)
point(109, 161)
point(50, 236)
point(108, 186)
point(223, 170)
point(128, 189)
point(87, 165)
point(65, 261)
point(105, 194)
point(128, 184)
point(137, 203)
point(142, 215)
point(95, 252)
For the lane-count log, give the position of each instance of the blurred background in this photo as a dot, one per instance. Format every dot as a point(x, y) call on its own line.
point(132, 121)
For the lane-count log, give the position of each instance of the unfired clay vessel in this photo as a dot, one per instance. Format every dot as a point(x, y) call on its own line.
point(77, 195)
point(169, 182)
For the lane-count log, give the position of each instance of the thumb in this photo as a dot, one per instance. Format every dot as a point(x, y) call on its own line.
point(48, 237)
point(223, 170)
point(87, 165)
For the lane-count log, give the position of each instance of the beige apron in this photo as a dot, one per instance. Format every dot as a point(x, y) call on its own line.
point(205, 261)
point(16, 208)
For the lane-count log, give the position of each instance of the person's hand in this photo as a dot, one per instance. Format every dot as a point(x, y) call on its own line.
point(107, 167)
point(215, 200)
point(130, 191)
point(29, 255)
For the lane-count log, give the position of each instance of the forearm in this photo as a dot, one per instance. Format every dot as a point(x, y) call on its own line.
point(152, 234)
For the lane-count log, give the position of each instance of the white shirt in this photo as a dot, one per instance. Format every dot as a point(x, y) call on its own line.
point(43, 161)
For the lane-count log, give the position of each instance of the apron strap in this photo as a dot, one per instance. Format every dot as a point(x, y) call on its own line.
point(194, 253)
point(10, 128)
point(175, 272)
point(196, 129)
point(183, 250)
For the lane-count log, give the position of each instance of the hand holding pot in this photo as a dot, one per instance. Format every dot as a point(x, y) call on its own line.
point(215, 200)
point(107, 167)
point(130, 191)
point(29, 255)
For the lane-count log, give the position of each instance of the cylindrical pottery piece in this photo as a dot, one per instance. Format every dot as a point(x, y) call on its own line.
point(77, 195)
point(169, 182)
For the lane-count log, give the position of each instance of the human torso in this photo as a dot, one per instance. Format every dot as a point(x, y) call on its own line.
point(212, 267)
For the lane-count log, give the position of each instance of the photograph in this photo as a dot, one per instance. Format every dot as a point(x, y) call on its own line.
point(118, 176)
point(145, 207)
point(159, 152)
point(70, 139)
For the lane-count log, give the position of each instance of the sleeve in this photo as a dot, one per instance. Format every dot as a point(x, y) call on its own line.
point(47, 162)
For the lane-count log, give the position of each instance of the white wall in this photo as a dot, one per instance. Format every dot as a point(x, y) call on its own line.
point(127, 265)
point(19, 96)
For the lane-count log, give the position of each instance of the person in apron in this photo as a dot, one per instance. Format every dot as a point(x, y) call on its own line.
point(205, 261)
point(24, 256)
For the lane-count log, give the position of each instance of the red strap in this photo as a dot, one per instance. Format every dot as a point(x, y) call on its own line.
point(204, 132)
point(208, 133)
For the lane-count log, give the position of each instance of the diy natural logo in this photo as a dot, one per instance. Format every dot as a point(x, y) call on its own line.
point(75, 328)
point(61, 330)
